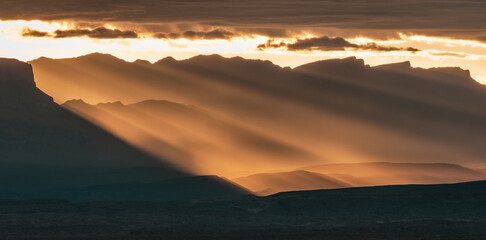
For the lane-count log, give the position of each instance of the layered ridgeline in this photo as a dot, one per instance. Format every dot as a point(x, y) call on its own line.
point(182, 132)
point(190, 137)
point(329, 176)
point(49, 152)
point(279, 119)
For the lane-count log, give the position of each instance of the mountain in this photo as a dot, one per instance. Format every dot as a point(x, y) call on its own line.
point(446, 211)
point(331, 176)
point(188, 136)
point(271, 183)
point(36, 130)
point(46, 150)
point(384, 173)
point(338, 110)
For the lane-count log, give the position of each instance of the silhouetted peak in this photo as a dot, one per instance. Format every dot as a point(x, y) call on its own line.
point(344, 61)
point(260, 62)
point(17, 84)
point(92, 57)
point(110, 104)
point(400, 66)
point(334, 65)
point(153, 102)
point(211, 57)
point(100, 57)
point(142, 62)
point(233, 64)
point(75, 102)
point(164, 105)
point(16, 72)
point(454, 75)
point(41, 59)
point(166, 60)
point(396, 166)
point(454, 71)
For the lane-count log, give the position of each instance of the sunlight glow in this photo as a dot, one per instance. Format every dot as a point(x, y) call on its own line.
point(435, 51)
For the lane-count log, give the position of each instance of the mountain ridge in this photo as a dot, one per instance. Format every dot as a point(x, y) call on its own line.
point(201, 57)
point(46, 150)
point(342, 110)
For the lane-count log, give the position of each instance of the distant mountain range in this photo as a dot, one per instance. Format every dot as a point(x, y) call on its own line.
point(175, 131)
point(49, 152)
point(331, 176)
point(259, 117)
point(271, 183)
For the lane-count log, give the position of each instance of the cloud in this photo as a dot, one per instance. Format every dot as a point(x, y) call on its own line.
point(100, 33)
point(27, 32)
point(211, 35)
point(381, 48)
point(330, 44)
point(322, 43)
point(369, 18)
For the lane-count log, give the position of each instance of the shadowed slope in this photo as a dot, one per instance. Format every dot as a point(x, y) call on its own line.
point(37, 130)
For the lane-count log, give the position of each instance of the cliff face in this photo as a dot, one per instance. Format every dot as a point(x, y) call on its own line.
point(34, 129)
point(17, 86)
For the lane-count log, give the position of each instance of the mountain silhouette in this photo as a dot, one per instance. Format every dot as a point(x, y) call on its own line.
point(330, 176)
point(384, 173)
point(270, 183)
point(338, 110)
point(46, 150)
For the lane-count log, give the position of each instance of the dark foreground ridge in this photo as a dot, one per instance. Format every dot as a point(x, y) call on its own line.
point(448, 211)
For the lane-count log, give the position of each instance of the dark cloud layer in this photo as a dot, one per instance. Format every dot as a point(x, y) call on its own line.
point(210, 35)
point(456, 18)
point(27, 32)
point(330, 44)
point(99, 33)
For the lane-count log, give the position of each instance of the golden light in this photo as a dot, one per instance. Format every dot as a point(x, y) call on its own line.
point(435, 51)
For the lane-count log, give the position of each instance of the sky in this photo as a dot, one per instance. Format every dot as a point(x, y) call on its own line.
point(288, 33)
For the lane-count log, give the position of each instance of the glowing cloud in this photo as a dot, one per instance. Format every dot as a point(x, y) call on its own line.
point(27, 40)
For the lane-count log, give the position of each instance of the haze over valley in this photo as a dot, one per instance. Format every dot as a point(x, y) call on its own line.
point(234, 117)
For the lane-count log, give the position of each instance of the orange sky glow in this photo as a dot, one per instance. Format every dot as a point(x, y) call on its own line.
point(434, 51)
